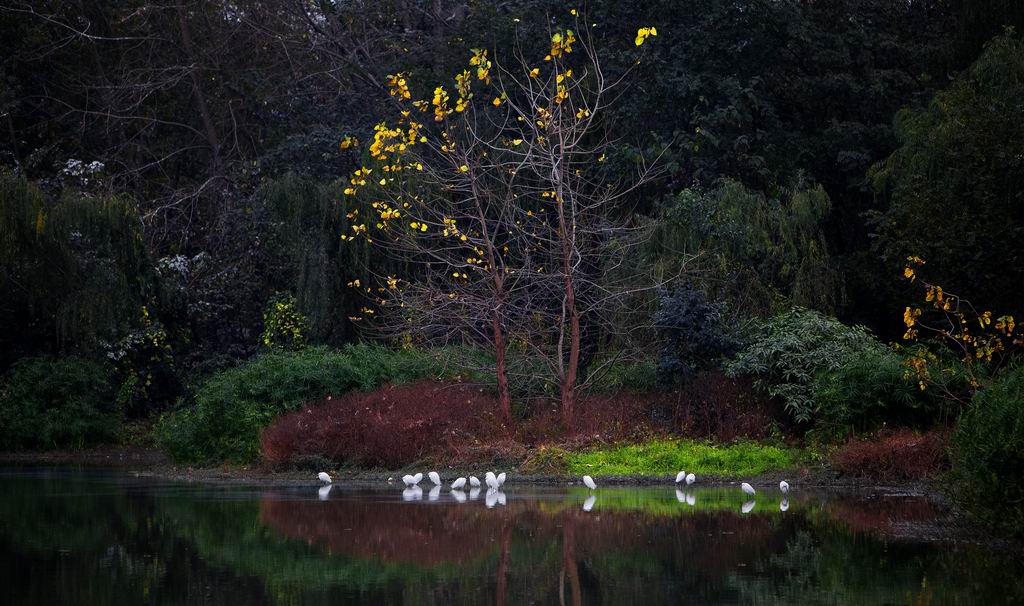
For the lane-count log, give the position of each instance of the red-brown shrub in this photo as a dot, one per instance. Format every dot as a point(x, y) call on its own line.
point(389, 427)
point(895, 455)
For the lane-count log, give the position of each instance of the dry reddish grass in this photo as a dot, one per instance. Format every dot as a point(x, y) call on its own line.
point(460, 423)
point(894, 455)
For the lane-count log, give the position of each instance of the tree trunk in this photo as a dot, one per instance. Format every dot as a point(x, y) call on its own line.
point(204, 111)
point(570, 375)
point(502, 372)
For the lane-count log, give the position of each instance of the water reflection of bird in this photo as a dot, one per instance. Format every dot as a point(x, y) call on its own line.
point(459, 496)
point(474, 481)
point(458, 483)
point(691, 500)
point(323, 477)
point(589, 503)
point(494, 497)
point(680, 476)
point(747, 488)
point(436, 479)
point(412, 493)
point(784, 505)
point(492, 481)
point(784, 486)
point(412, 480)
point(589, 482)
point(749, 506)
point(324, 492)
point(435, 493)
point(474, 493)
point(680, 496)
point(690, 479)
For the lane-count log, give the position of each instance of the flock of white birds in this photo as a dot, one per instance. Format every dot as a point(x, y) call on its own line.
point(495, 482)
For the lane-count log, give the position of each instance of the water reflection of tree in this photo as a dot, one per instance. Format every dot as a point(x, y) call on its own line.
point(186, 547)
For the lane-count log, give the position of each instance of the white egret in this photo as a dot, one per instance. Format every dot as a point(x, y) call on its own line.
point(435, 493)
point(501, 479)
point(747, 488)
point(474, 481)
point(459, 496)
point(690, 479)
point(323, 477)
point(589, 503)
point(784, 486)
point(458, 483)
point(589, 482)
point(749, 506)
point(412, 480)
point(491, 480)
point(324, 492)
point(436, 479)
point(784, 505)
point(680, 476)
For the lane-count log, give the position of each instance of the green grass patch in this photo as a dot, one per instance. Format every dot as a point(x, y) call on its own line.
point(666, 457)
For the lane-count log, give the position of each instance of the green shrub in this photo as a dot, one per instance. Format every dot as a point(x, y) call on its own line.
point(230, 409)
point(988, 453)
point(48, 402)
point(867, 389)
point(788, 351)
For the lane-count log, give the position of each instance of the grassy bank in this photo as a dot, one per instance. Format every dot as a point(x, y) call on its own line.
point(664, 457)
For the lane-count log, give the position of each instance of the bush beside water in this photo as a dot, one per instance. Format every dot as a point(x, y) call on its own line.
point(48, 402)
point(988, 453)
point(224, 419)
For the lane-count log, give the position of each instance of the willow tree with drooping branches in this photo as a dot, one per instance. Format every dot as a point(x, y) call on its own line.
point(495, 189)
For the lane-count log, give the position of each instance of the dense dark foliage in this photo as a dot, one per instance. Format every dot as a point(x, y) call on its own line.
point(988, 452)
point(50, 403)
point(694, 334)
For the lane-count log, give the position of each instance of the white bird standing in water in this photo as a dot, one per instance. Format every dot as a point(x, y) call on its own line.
point(680, 476)
point(474, 481)
point(436, 479)
point(458, 483)
point(784, 486)
point(747, 488)
point(501, 479)
point(491, 480)
point(412, 480)
point(589, 482)
point(323, 477)
point(690, 479)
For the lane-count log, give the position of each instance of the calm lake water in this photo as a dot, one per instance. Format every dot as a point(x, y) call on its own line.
point(94, 537)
